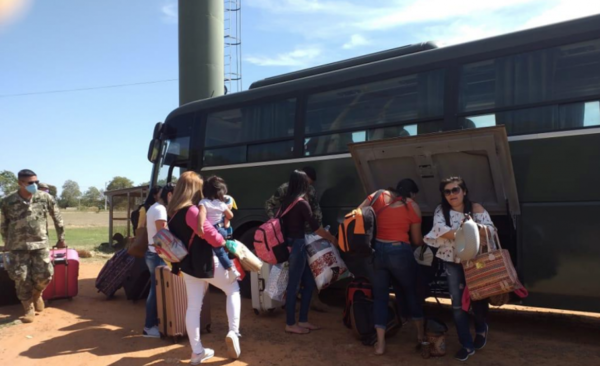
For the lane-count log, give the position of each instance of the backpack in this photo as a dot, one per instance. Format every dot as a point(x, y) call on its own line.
point(269, 239)
point(359, 229)
point(135, 217)
point(356, 286)
point(363, 323)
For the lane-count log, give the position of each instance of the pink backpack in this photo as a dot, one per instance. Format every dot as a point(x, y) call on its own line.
point(269, 241)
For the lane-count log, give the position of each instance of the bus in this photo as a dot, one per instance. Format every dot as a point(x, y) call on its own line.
point(517, 115)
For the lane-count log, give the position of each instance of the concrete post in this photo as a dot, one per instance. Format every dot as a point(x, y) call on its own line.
point(201, 49)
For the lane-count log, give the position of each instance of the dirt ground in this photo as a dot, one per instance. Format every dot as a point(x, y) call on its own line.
point(90, 330)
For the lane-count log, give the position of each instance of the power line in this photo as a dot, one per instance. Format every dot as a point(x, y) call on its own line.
point(84, 89)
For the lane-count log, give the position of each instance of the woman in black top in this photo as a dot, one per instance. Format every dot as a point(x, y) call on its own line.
point(201, 267)
point(293, 227)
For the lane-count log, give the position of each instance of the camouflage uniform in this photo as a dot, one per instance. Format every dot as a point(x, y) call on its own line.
point(24, 229)
point(273, 204)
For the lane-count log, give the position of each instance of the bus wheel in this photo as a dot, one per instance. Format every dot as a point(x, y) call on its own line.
point(248, 239)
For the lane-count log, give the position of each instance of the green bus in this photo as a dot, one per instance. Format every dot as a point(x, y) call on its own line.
point(518, 116)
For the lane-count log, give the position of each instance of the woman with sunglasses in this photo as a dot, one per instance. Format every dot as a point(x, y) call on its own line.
point(448, 218)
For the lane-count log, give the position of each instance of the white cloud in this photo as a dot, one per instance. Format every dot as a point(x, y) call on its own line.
point(300, 57)
point(169, 12)
point(355, 41)
point(565, 10)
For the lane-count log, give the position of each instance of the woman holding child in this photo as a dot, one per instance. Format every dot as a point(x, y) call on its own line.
point(201, 266)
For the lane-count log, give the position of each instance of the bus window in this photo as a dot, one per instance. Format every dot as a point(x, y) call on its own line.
point(543, 119)
point(563, 72)
point(271, 151)
point(224, 156)
point(253, 123)
point(331, 144)
point(387, 101)
point(406, 130)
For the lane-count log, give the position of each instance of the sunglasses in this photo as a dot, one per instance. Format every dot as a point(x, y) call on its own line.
point(455, 190)
point(32, 182)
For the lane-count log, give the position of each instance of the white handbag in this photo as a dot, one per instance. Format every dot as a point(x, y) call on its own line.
point(424, 255)
point(466, 240)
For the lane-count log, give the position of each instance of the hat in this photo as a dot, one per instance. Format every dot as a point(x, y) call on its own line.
point(467, 240)
point(43, 185)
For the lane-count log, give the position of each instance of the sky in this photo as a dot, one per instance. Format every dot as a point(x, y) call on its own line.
point(92, 135)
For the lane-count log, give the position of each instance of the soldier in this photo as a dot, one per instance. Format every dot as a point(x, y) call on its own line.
point(44, 187)
point(24, 230)
point(273, 204)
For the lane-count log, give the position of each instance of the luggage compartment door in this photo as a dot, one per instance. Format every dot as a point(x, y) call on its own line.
point(480, 156)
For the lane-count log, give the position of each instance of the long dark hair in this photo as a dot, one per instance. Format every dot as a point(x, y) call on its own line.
point(466, 201)
point(404, 189)
point(297, 187)
point(150, 200)
point(215, 188)
point(169, 188)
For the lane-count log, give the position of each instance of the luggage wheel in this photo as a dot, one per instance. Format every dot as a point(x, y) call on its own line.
point(256, 311)
point(208, 330)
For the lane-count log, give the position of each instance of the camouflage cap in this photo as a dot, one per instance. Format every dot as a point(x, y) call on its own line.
point(43, 185)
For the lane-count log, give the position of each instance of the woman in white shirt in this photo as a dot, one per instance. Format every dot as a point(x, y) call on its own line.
point(156, 219)
point(447, 219)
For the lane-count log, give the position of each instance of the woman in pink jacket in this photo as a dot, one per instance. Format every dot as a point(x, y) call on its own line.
point(200, 267)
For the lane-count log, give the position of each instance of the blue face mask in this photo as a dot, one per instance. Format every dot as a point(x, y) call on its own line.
point(32, 188)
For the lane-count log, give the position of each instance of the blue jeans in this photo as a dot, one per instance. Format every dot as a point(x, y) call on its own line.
point(152, 261)
point(300, 274)
point(395, 261)
point(456, 284)
point(220, 252)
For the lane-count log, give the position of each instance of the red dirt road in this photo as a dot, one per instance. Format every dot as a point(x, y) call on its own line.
point(93, 331)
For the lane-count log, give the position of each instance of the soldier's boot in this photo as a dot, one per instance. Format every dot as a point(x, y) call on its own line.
point(29, 316)
point(38, 301)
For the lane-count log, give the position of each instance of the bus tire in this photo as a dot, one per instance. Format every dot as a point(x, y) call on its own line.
point(248, 239)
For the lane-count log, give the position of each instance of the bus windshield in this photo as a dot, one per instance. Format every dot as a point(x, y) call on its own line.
point(175, 154)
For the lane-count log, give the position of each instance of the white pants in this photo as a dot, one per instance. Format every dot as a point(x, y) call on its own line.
point(196, 288)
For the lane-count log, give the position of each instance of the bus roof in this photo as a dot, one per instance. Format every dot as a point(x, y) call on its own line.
point(521, 41)
point(355, 61)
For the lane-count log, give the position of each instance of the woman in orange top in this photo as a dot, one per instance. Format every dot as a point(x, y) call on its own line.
point(398, 223)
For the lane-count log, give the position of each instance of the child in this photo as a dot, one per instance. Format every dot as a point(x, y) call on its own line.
point(214, 209)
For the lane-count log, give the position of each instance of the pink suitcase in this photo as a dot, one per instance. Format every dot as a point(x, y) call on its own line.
point(66, 273)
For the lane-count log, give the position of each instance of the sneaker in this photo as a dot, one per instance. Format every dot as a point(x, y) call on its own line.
point(481, 340)
point(151, 332)
point(233, 345)
point(464, 354)
point(201, 357)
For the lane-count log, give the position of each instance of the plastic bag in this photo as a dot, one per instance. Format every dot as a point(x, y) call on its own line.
point(325, 261)
point(278, 281)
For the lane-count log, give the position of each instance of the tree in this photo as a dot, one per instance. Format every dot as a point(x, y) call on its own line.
point(119, 183)
point(70, 194)
point(8, 183)
point(93, 198)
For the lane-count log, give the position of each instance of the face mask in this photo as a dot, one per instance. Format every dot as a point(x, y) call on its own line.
point(32, 188)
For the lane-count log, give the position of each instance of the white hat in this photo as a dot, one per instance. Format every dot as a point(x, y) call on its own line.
point(467, 241)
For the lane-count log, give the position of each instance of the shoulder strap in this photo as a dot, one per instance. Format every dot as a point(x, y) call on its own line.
point(376, 197)
point(288, 208)
point(379, 193)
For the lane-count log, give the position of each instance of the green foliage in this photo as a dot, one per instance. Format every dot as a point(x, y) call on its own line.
point(93, 197)
point(70, 194)
point(119, 183)
point(8, 183)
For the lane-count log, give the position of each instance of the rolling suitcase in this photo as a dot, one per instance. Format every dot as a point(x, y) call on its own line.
point(113, 274)
point(137, 283)
point(7, 286)
point(64, 283)
point(171, 301)
point(260, 300)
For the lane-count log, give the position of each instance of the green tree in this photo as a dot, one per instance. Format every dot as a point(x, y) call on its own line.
point(70, 194)
point(119, 183)
point(8, 183)
point(93, 198)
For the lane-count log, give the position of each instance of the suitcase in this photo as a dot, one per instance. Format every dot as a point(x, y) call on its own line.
point(171, 301)
point(137, 283)
point(260, 300)
point(7, 286)
point(64, 283)
point(113, 274)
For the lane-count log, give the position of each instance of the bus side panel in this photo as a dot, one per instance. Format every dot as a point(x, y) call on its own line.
point(560, 247)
